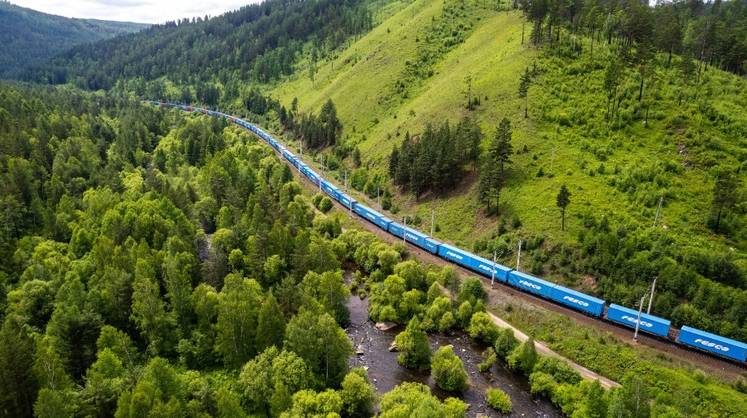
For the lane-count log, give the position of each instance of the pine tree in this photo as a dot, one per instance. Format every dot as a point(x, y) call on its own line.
point(563, 200)
point(524, 90)
point(394, 162)
point(501, 148)
point(493, 174)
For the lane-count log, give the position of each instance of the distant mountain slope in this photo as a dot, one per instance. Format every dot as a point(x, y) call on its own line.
point(28, 36)
point(258, 42)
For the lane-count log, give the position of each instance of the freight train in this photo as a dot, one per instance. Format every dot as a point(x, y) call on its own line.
point(589, 305)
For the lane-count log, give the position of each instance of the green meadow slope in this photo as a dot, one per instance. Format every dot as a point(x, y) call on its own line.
point(667, 145)
point(360, 82)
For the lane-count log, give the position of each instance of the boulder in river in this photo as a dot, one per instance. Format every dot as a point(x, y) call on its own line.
point(359, 350)
point(393, 346)
point(385, 326)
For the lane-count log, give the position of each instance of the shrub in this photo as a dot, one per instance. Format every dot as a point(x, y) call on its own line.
point(561, 371)
point(523, 357)
point(505, 343)
point(542, 383)
point(482, 328)
point(448, 371)
point(498, 400)
point(325, 204)
point(446, 322)
point(489, 360)
point(412, 343)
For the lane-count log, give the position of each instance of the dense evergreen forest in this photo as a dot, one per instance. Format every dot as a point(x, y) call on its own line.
point(30, 37)
point(259, 42)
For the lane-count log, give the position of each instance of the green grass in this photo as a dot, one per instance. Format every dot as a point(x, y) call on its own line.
point(360, 81)
point(376, 118)
point(566, 137)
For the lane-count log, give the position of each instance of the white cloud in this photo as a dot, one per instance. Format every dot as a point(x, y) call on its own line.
point(143, 11)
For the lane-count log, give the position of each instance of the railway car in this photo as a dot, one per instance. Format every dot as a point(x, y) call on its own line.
point(414, 236)
point(474, 262)
point(531, 284)
point(290, 157)
point(330, 189)
point(346, 200)
point(375, 217)
point(629, 317)
point(577, 300)
point(712, 343)
point(312, 175)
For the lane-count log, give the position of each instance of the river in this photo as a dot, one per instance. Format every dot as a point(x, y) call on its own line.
point(385, 373)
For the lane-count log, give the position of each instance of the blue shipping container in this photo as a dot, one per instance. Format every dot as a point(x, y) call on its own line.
point(380, 220)
point(628, 317)
point(414, 236)
point(531, 284)
point(474, 262)
point(288, 155)
point(578, 301)
point(346, 200)
point(311, 174)
point(330, 189)
point(713, 343)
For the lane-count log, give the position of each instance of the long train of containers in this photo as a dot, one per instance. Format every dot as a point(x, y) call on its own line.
point(590, 305)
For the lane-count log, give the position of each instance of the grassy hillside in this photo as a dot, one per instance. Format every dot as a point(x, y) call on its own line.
point(361, 83)
point(29, 36)
point(670, 144)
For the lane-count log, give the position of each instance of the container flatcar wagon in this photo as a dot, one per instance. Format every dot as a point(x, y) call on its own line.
point(629, 317)
point(371, 215)
point(414, 236)
point(531, 284)
point(577, 300)
point(474, 262)
point(712, 343)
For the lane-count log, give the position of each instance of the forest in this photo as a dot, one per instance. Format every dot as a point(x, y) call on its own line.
point(44, 36)
point(163, 265)
point(205, 50)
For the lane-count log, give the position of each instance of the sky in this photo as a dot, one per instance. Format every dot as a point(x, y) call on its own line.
point(141, 11)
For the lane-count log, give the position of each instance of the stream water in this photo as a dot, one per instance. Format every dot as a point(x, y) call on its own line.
point(385, 373)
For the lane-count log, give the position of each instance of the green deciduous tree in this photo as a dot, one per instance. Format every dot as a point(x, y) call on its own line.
point(321, 343)
point(148, 310)
point(330, 291)
point(448, 371)
point(271, 324)
point(271, 374)
point(238, 312)
point(413, 346)
point(415, 400)
point(358, 394)
point(523, 357)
